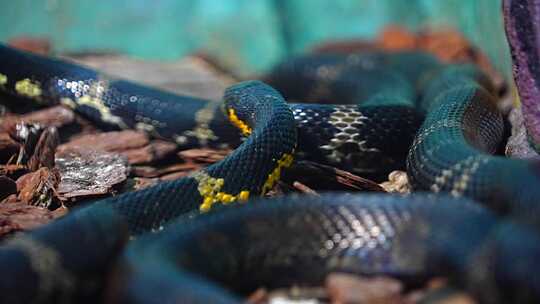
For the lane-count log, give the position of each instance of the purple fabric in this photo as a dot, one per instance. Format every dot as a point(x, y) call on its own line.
point(522, 23)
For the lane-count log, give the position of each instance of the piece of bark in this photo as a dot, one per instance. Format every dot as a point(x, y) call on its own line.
point(108, 141)
point(7, 187)
point(56, 116)
point(39, 188)
point(43, 154)
point(351, 289)
point(18, 216)
point(155, 151)
point(12, 198)
point(88, 172)
point(28, 135)
point(134, 145)
point(37, 145)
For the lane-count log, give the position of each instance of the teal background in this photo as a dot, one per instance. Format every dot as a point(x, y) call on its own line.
point(246, 35)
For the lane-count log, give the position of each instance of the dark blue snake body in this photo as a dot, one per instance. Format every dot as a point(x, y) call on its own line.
point(230, 251)
point(407, 237)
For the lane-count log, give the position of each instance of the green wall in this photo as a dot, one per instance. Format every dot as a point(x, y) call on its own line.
point(249, 35)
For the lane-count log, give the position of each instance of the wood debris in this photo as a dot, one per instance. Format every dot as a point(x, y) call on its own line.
point(87, 172)
point(38, 188)
point(326, 178)
point(398, 182)
point(56, 116)
point(17, 216)
point(351, 289)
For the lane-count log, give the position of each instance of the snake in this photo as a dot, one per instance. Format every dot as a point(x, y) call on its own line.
point(207, 238)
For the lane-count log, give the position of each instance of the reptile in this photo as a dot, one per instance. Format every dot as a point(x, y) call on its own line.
point(180, 234)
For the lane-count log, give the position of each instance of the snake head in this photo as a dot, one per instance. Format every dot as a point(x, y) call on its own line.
point(245, 99)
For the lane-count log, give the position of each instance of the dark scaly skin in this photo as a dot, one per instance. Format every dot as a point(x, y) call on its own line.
point(62, 262)
point(452, 151)
point(406, 237)
point(195, 122)
point(367, 139)
point(150, 210)
point(522, 25)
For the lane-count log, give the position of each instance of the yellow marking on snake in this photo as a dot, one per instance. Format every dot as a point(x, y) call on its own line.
point(210, 189)
point(246, 130)
point(94, 100)
point(3, 79)
point(284, 162)
point(202, 130)
point(29, 88)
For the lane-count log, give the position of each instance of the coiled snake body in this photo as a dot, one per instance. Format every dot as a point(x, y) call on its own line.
point(289, 240)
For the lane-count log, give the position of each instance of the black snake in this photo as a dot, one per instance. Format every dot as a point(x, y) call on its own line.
point(289, 240)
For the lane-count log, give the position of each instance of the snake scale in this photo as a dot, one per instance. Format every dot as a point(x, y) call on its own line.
point(177, 242)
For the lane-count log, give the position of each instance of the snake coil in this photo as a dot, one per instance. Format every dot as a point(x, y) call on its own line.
point(216, 256)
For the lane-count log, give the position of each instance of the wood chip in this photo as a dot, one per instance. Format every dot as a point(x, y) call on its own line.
point(38, 188)
point(134, 145)
point(43, 153)
point(155, 151)
point(56, 116)
point(108, 141)
point(18, 216)
point(351, 289)
point(88, 172)
point(28, 135)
